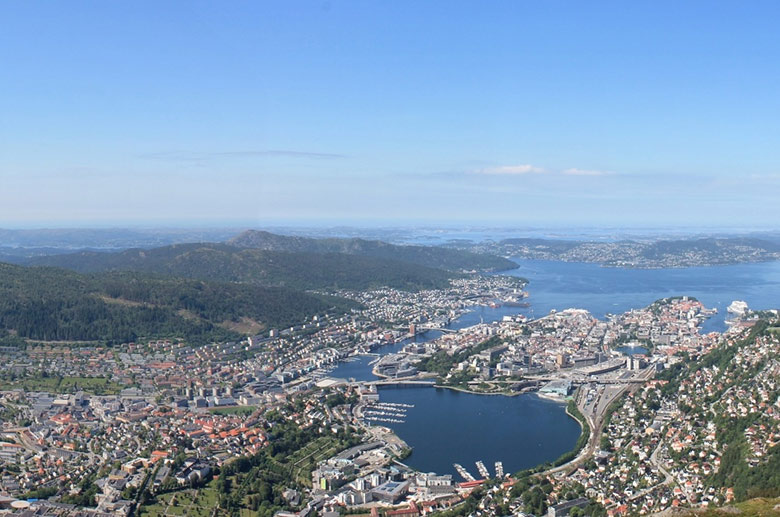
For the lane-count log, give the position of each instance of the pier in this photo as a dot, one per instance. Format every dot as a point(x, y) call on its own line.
point(387, 412)
point(463, 472)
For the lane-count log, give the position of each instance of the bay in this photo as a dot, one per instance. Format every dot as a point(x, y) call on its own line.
point(447, 426)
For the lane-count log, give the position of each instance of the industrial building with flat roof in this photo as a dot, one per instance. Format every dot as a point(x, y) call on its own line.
point(560, 388)
point(390, 491)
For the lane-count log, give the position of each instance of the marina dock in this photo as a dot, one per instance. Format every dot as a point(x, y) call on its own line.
point(463, 472)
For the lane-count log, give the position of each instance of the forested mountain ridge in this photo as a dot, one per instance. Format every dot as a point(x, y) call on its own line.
point(430, 256)
point(225, 263)
point(49, 304)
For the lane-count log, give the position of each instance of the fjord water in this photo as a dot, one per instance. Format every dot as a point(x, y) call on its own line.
point(603, 290)
point(447, 427)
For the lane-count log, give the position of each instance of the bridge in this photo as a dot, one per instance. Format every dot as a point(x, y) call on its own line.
point(618, 381)
point(416, 380)
point(401, 382)
point(426, 328)
point(440, 329)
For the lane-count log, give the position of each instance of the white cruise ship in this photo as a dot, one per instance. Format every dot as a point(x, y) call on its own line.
point(738, 307)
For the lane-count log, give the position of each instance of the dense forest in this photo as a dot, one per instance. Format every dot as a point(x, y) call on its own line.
point(50, 304)
point(430, 256)
point(224, 263)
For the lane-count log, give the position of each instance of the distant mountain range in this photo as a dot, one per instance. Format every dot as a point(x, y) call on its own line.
point(60, 239)
point(303, 263)
point(429, 256)
point(654, 254)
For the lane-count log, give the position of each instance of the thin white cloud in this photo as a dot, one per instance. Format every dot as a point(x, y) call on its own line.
point(585, 172)
point(202, 156)
point(511, 170)
point(525, 169)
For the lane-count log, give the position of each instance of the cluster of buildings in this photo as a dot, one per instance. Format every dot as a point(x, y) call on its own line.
point(663, 448)
point(570, 344)
point(624, 474)
point(670, 325)
point(435, 308)
point(743, 389)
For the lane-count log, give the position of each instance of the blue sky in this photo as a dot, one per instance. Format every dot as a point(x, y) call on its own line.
point(567, 113)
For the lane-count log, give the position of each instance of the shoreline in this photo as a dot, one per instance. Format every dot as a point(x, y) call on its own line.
point(585, 430)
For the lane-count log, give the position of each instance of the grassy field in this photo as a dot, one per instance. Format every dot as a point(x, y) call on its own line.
point(234, 410)
point(199, 502)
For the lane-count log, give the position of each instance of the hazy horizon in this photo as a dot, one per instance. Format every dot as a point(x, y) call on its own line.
point(358, 226)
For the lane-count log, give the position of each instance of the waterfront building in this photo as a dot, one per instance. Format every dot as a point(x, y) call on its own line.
point(560, 388)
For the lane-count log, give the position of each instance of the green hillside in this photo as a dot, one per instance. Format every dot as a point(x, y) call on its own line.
point(51, 304)
point(224, 263)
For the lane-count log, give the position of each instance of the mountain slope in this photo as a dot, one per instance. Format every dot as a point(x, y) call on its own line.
point(429, 256)
point(56, 305)
point(224, 263)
